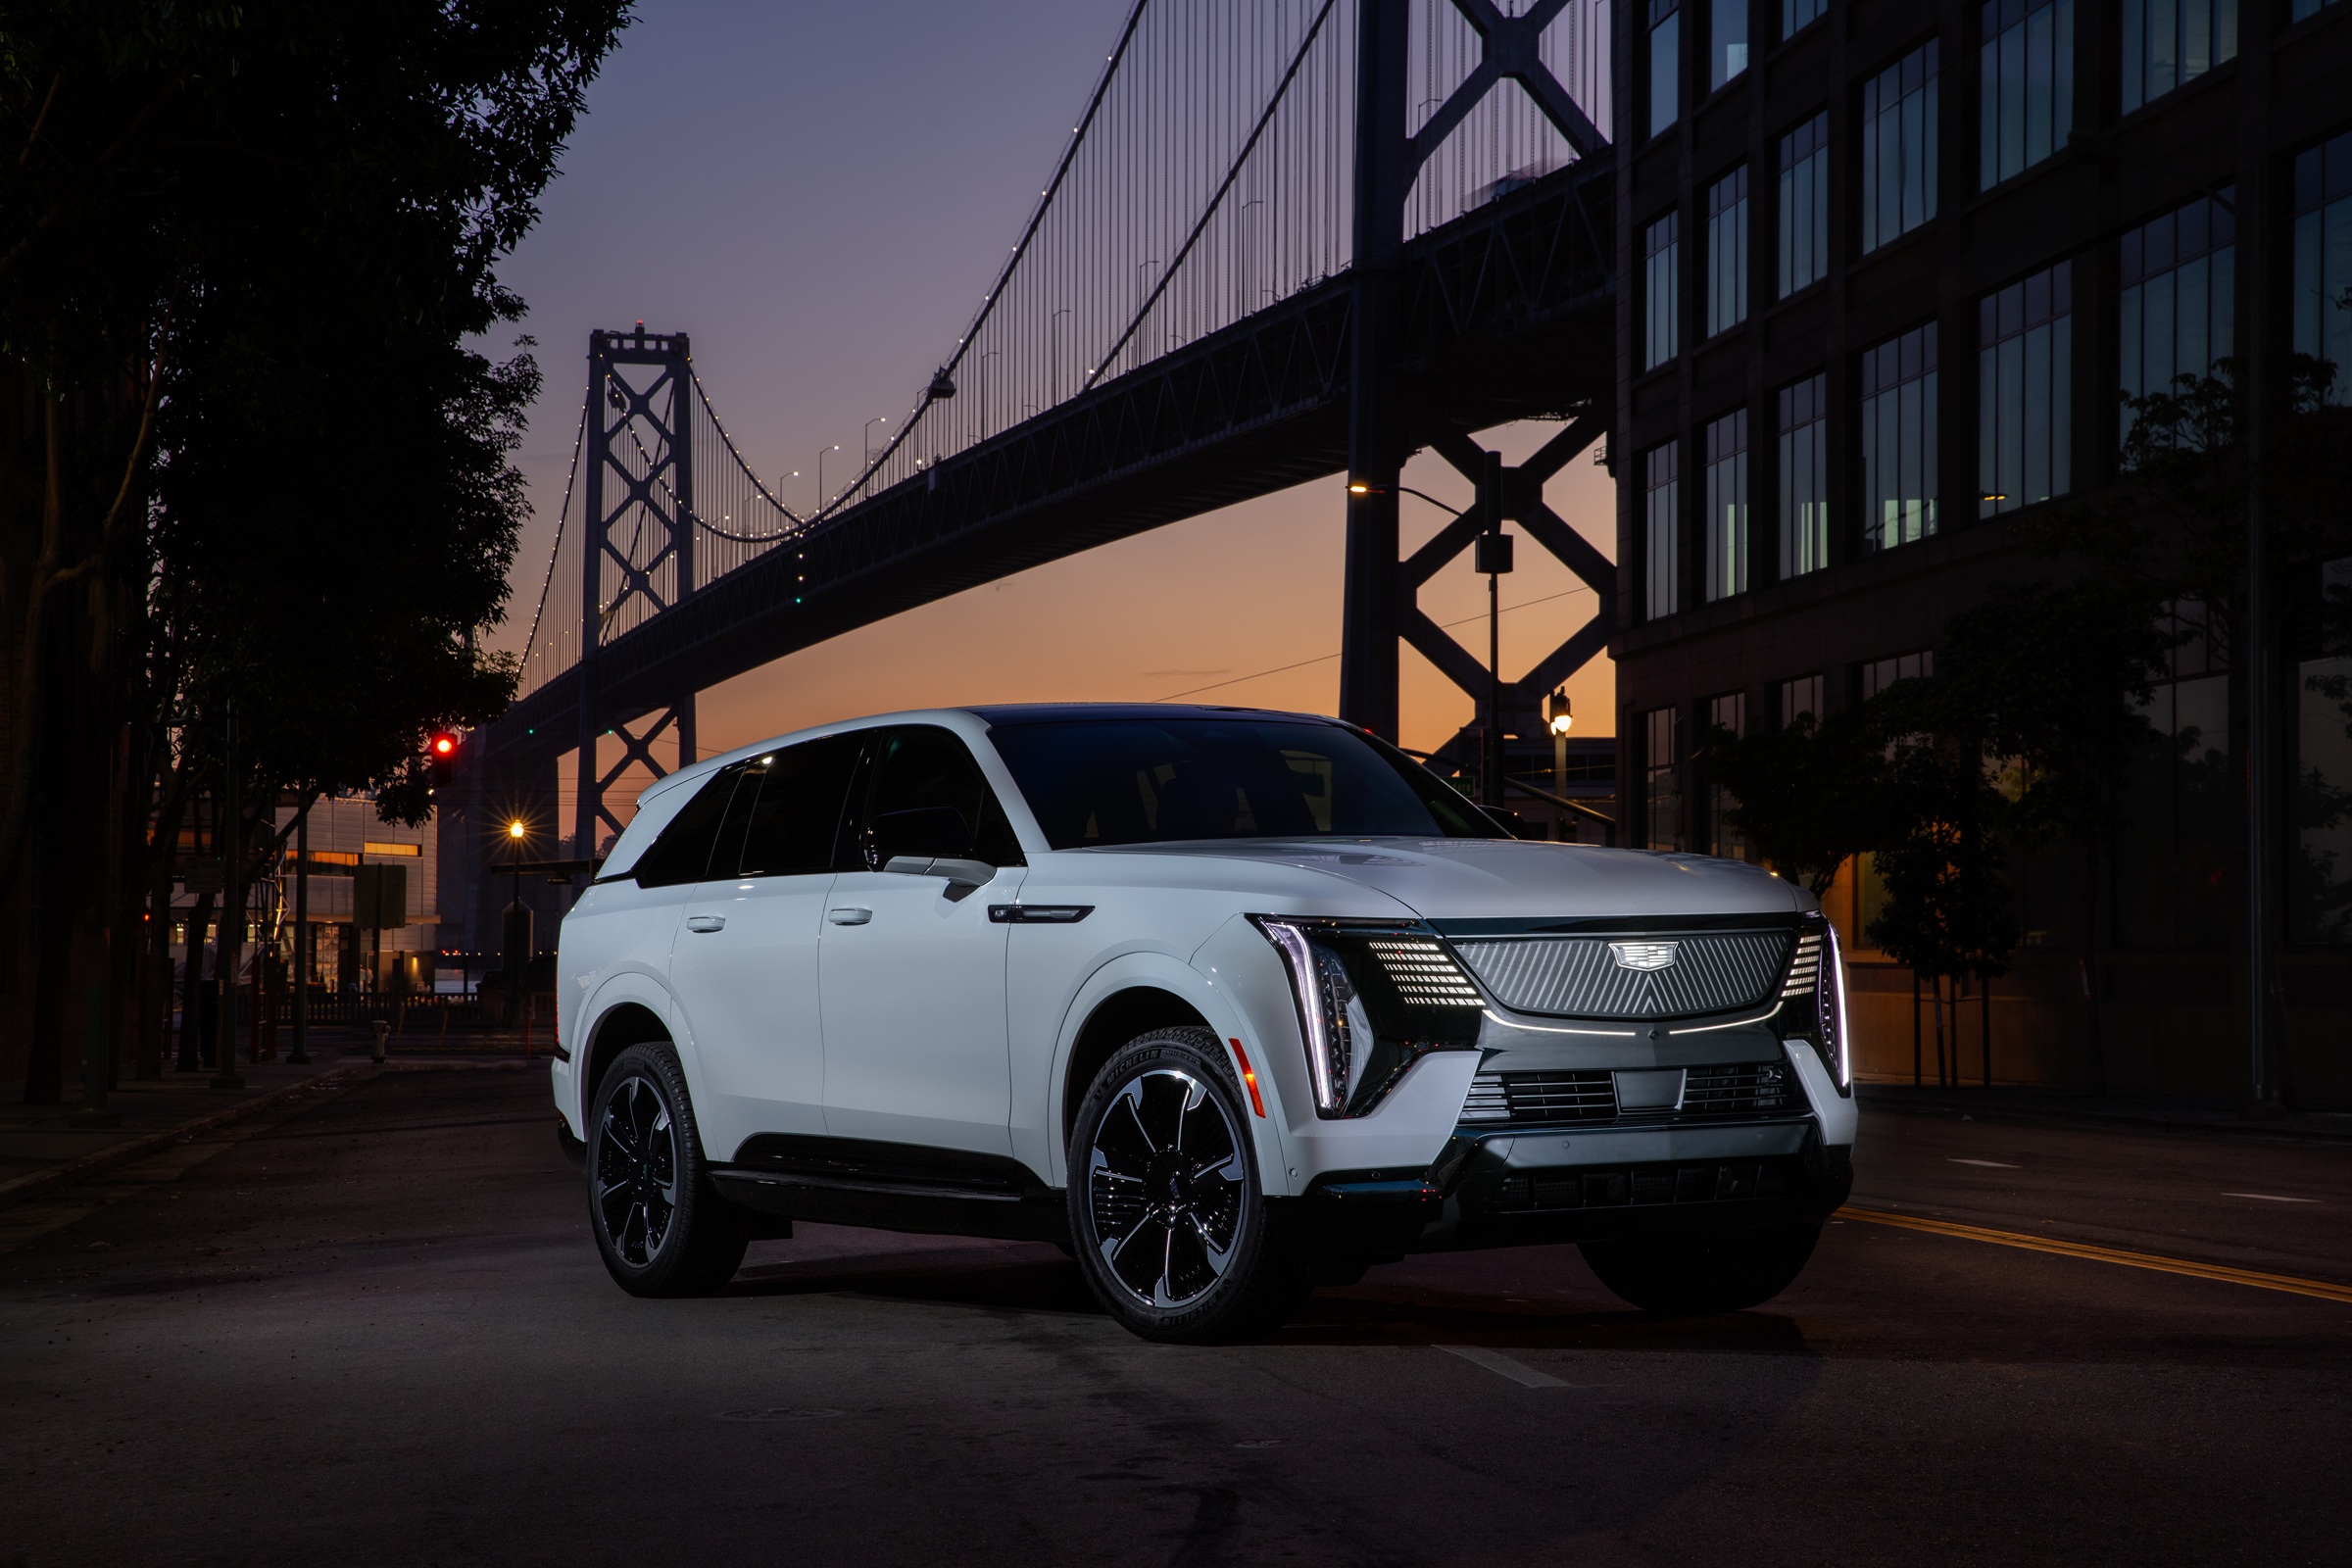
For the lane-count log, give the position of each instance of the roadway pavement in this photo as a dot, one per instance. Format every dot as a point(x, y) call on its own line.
point(367, 1325)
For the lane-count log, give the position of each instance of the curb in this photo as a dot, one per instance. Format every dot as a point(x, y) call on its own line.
point(2260, 1131)
point(24, 1186)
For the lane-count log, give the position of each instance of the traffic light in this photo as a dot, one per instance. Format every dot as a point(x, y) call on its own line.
point(441, 756)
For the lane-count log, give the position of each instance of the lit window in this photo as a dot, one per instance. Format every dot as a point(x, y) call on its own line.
point(1662, 252)
point(2026, 75)
point(2169, 43)
point(2324, 257)
point(1898, 439)
point(1661, 491)
point(1804, 476)
point(2025, 391)
point(1898, 147)
point(1727, 252)
point(1727, 505)
point(1805, 205)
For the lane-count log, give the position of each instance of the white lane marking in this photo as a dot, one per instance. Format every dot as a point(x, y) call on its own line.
point(1988, 1164)
point(2271, 1198)
point(1501, 1365)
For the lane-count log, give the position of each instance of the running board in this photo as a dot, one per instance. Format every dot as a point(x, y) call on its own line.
point(1038, 1214)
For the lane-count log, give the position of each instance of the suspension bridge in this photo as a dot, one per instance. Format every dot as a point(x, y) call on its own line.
point(1287, 239)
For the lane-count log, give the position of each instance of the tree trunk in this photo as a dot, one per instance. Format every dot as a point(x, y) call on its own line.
point(1915, 1062)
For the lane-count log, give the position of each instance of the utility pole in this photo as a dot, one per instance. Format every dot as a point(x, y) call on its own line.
point(1369, 617)
point(232, 916)
point(302, 933)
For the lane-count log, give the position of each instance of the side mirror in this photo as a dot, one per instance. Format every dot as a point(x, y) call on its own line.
point(962, 875)
point(925, 831)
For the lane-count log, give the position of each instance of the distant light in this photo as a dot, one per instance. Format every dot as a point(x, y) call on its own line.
point(1996, 497)
point(1559, 725)
point(515, 830)
point(1360, 488)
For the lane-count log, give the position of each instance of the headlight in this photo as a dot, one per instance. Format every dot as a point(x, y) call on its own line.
point(1813, 1001)
point(1372, 1001)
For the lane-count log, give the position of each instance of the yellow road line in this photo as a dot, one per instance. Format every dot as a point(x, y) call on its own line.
point(2293, 1285)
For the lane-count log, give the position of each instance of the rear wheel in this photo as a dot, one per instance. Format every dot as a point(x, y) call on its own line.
point(661, 1229)
point(1167, 1216)
point(1728, 1272)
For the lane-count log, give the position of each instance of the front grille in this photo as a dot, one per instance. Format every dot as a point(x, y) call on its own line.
point(1659, 975)
point(1646, 1184)
point(1720, 1093)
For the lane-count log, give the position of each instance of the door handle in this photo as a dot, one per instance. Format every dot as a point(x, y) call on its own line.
point(706, 922)
point(848, 916)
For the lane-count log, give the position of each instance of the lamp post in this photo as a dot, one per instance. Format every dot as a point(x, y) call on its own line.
point(865, 437)
point(302, 933)
point(821, 473)
point(517, 923)
point(1556, 710)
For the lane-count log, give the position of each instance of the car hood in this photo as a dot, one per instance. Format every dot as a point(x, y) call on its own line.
point(1455, 879)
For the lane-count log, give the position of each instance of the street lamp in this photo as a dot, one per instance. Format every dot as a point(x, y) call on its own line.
point(866, 436)
point(821, 473)
point(517, 922)
point(1555, 709)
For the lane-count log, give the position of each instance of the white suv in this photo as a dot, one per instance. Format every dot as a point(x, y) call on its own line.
point(1227, 1003)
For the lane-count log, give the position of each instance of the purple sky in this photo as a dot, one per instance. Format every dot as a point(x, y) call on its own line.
point(820, 195)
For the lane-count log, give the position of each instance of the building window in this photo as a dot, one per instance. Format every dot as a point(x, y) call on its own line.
point(1662, 794)
point(1880, 674)
point(2173, 818)
point(1662, 252)
point(1805, 204)
point(2307, 8)
point(2028, 78)
point(1898, 439)
point(2176, 313)
point(1727, 505)
point(1798, 14)
point(2025, 391)
point(2320, 879)
point(1665, 58)
point(1727, 40)
point(1727, 252)
point(1801, 698)
point(1661, 493)
point(1804, 476)
point(2169, 43)
point(2323, 259)
point(1898, 148)
point(1729, 715)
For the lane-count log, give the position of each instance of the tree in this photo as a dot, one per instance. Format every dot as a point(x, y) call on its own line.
point(1810, 796)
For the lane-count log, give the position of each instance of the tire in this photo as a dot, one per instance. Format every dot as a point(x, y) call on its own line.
point(1728, 1272)
point(660, 1227)
point(1175, 1239)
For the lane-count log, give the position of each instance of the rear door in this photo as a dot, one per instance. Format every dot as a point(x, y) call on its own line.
point(744, 964)
point(912, 967)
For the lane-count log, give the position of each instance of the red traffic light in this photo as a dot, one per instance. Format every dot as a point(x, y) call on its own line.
point(444, 744)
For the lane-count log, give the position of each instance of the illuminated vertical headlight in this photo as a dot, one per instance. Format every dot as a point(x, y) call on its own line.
point(1326, 1034)
point(1373, 999)
point(1837, 1043)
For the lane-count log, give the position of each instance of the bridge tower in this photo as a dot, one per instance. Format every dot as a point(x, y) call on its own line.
point(637, 556)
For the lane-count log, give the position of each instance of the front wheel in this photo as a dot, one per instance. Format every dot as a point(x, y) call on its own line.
point(661, 1229)
point(1167, 1216)
point(1728, 1272)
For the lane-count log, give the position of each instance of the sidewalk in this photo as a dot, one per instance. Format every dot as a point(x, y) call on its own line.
point(41, 1148)
point(2174, 1113)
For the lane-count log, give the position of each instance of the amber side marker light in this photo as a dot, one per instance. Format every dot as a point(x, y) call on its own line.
point(1250, 1080)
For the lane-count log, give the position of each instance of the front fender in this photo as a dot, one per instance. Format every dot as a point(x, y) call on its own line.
point(1159, 971)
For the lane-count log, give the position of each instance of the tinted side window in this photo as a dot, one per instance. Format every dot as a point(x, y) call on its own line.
point(682, 852)
point(798, 811)
point(923, 769)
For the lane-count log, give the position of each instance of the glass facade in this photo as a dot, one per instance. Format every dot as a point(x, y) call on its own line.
point(1727, 713)
point(2169, 43)
point(1661, 291)
point(1727, 506)
point(1804, 426)
point(1798, 14)
point(2026, 73)
point(2323, 242)
point(2319, 873)
point(2175, 310)
point(1727, 40)
point(1727, 252)
point(1880, 673)
point(1661, 494)
point(1800, 699)
point(1665, 44)
point(2025, 391)
point(1805, 205)
point(2174, 817)
point(1898, 439)
point(1898, 147)
point(1662, 792)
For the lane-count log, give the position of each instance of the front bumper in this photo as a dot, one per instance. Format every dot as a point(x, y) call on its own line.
point(1522, 1187)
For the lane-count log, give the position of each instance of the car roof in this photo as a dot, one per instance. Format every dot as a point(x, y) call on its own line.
point(1066, 713)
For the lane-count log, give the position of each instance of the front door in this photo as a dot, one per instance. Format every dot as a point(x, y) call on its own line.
point(743, 964)
point(912, 969)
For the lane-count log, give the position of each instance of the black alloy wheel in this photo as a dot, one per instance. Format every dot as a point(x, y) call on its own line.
point(660, 1227)
point(1166, 1213)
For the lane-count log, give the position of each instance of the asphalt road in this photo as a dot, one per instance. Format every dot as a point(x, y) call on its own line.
point(370, 1328)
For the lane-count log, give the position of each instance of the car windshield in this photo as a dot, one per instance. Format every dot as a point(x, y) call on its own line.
point(1163, 780)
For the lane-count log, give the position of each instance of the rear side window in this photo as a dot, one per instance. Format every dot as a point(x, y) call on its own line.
point(796, 815)
point(919, 768)
point(682, 853)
